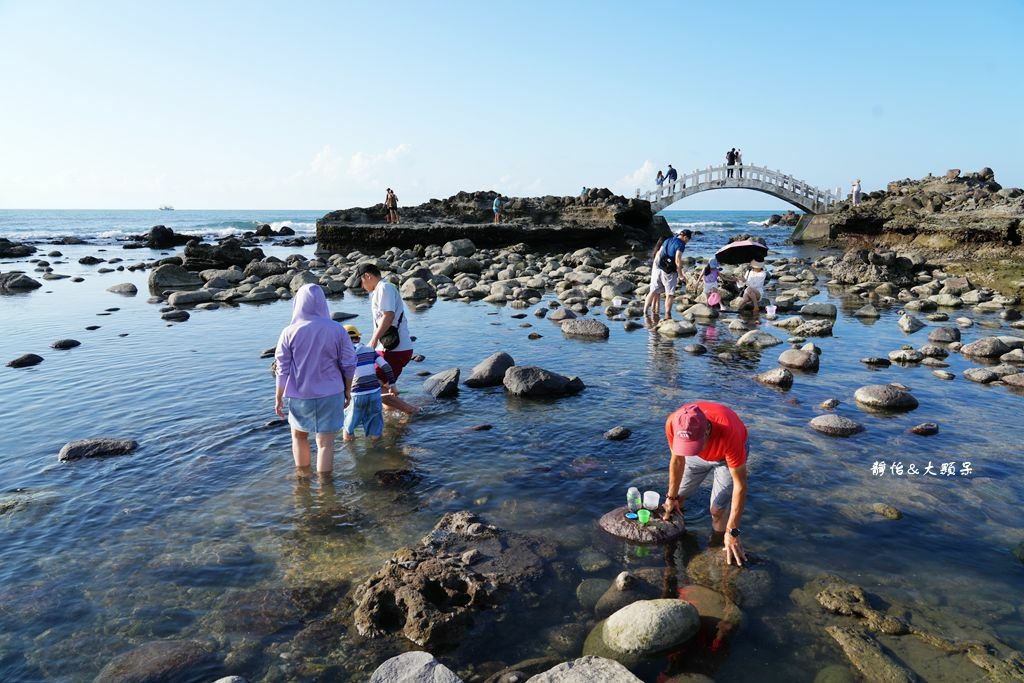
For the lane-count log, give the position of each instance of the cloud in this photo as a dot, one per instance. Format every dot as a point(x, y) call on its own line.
point(361, 168)
point(641, 177)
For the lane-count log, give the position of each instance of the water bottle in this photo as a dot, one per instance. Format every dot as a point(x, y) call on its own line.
point(633, 499)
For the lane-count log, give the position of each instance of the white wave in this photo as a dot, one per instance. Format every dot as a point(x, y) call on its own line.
point(703, 224)
point(297, 226)
point(761, 223)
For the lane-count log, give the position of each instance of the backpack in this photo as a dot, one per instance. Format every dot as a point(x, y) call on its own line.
point(666, 263)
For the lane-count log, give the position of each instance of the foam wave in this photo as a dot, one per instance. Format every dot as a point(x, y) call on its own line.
point(704, 224)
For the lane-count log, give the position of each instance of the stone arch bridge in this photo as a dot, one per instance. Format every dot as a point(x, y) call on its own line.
point(802, 195)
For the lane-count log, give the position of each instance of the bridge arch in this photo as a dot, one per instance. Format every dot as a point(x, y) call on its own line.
point(800, 194)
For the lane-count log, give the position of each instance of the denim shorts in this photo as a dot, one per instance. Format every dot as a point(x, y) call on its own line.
point(365, 410)
point(317, 415)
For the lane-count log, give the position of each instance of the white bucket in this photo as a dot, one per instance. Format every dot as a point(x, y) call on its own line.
point(770, 311)
point(651, 500)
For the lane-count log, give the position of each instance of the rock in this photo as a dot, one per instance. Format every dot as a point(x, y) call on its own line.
point(829, 404)
point(17, 282)
point(230, 252)
point(814, 328)
point(198, 296)
point(96, 448)
point(648, 627)
point(819, 309)
point(416, 288)
point(942, 374)
point(980, 375)
point(1015, 380)
point(590, 590)
point(617, 433)
point(161, 660)
point(886, 510)
point(490, 372)
point(426, 594)
point(28, 360)
point(986, 347)
point(459, 247)
point(561, 315)
point(880, 362)
point(836, 673)
point(909, 323)
point(587, 669)
point(585, 328)
point(779, 377)
point(866, 655)
point(867, 311)
point(125, 288)
point(535, 382)
point(176, 316)
point(9, 249)
point(906, 356)
point(64, 344)
point(413, 667)
point(835, 425)
point(758, 339)
point(748, 586)
point(676, 328)
point(654, 532)
point(444, 384)
point(925, 429)
point(885, 397)
point(934, 351)
point(1015, 356)
point(696, 349)
point(170, 276)
point(799, 359)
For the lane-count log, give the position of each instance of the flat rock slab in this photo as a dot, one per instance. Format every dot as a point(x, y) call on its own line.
point(884, 397)
point(96, 448)
point(835, 425)
point(162, 660)
point(654, 532)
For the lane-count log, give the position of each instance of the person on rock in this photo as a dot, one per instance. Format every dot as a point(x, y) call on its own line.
point(705, 438)
point(497, 207)
point(391, 204)
point(755, 280)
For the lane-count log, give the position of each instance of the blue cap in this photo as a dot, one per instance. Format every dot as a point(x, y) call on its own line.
point(713, 262)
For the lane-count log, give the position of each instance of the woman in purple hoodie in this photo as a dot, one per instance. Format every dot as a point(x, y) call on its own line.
point(315, 363)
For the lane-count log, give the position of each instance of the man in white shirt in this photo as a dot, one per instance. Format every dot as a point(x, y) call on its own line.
point(387, 309)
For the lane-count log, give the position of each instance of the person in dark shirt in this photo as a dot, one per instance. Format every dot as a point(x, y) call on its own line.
point(671, 175)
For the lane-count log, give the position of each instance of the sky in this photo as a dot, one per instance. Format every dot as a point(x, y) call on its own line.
point(323, 105)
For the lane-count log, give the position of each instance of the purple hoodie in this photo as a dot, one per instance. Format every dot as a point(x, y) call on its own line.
point(315, 357)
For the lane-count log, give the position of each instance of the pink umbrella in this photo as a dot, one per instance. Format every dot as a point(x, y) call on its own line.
point(743, 251)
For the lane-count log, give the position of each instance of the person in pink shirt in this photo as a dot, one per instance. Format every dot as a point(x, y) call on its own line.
point(315, 363)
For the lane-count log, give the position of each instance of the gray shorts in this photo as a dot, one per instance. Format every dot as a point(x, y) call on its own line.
point(697, 470)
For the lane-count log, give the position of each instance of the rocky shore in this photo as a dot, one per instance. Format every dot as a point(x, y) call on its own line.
point(596, 218)
point(967, 222)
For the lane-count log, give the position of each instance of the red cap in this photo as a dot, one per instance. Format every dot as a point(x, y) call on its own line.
point(689, 430)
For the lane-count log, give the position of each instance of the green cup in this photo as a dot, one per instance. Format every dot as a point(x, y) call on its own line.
point(644, 515)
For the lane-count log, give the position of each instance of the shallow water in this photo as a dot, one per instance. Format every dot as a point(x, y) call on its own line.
point(104, 555)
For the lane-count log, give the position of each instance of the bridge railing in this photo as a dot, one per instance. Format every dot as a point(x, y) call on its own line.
point(743, 175)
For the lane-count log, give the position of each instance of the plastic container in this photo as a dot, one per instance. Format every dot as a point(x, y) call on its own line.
point(633, 500)
point(651, 500)
point(643, 515)
point(770, 310)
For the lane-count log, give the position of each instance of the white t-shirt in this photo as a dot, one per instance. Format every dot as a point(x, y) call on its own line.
point(384, 298)
point(755, 279)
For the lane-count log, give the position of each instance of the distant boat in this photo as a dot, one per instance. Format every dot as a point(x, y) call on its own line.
point(167, 208)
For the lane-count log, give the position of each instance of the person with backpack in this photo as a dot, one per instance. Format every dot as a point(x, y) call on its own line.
point(668, 263)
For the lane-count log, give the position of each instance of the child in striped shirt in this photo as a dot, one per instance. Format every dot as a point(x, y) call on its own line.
point(365, 409)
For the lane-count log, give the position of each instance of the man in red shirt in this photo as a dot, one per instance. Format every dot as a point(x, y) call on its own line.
point(705, 437)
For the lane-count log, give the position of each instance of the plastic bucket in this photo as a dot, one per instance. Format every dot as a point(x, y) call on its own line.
point(770, 310)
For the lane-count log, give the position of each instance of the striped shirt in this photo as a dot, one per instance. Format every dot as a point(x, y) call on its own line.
point(367, 361)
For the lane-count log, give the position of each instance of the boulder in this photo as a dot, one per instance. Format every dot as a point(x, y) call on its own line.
point(909, 323)
point(819, 309)
point(980, 375)
point(676, 328)
point(444, 384)
point(648, 627)
point(617, 433)
point(125, 288)
point(65, 344)
point(835, 425)
point(534, 382)
point(413, 667)
point(170, 276)
point(867, 311)
point(490, 372)
point(654, 532)
point(799, 359)
point(190, 298)
point(162, 660)
point(885, 397)
point(416, 288)
point(925, 429)
point(986, 347)
point(9, 249)
point(199, 256)
point(96, 448)
point(25, 361)
point(17, 282)
point(906, 356)
point(759, 339)
point(585, 328)
point(779, 377)
point(814, 328)
point(587, 669)
point(748, 586)
point(459, 247)
point(432, 592)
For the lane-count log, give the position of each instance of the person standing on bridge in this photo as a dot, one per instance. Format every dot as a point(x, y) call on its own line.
point(672, 175)
point(739, 161)
point(730, 159)
point(659, 179)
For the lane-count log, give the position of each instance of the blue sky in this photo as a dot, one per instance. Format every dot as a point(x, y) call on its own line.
point(321, 105)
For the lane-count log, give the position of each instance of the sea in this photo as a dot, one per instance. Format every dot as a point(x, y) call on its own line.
point(206, 534)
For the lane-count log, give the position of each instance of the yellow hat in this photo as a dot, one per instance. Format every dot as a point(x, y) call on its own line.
point(353, 331)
